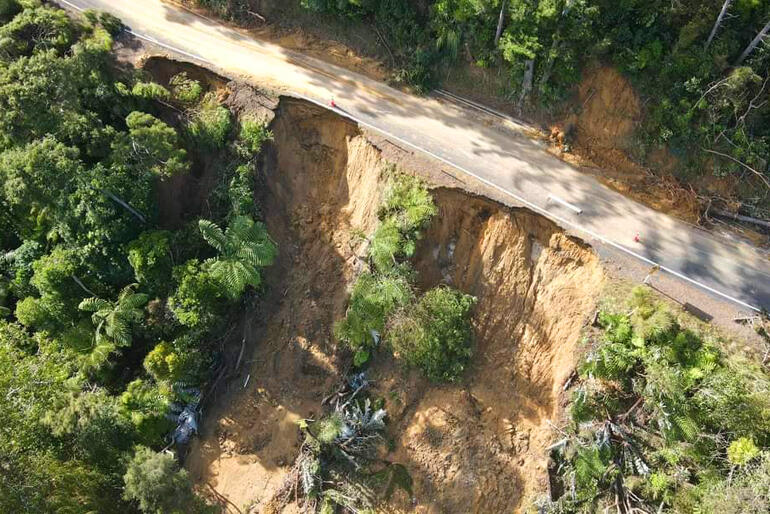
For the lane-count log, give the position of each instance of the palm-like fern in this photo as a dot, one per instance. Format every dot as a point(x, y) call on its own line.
point(113, 320)
point(244, 247)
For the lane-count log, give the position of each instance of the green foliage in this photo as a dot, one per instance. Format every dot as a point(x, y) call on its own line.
point(254, 133)
point(36, 30)
point(150, 257)
point(244, 248)
point(660, 412)
point(198, 299)
point(184, 89)
point(742, 451)
point(373, 299)
point(150, 91)
point(405, 211)
point(435, 334)
point(156, 483)
point(114, 320)
point(209, 123)
point(163, 363)
point(146, 405)
point(151, 144)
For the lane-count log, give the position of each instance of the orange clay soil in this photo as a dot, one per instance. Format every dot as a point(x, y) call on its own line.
point(478, 446)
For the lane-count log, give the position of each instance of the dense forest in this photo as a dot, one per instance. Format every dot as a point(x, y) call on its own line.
point(110, 317)
point(113, 318)
point(700, 67)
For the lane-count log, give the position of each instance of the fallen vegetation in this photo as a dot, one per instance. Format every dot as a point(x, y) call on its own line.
point(663, 420)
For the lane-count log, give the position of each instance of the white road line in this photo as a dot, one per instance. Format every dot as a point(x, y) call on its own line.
point(483, 180)
point(566, 204)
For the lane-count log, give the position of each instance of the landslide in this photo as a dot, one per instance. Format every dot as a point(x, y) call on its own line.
point(477, 446)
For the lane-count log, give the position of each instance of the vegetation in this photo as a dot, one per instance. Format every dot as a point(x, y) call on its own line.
point(103, 314)
point(338, 465)
point(699, 66)
point(432, 332)
point(662, 420)
point(156, 483)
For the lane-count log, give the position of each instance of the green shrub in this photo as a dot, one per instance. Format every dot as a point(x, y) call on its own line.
point(157, 484)
point(435, 334)
point(198, 300)
point(373, 299)
point(254, 133)
point(150, 91)
point(150, 257)
point(210, 123)
point(184, 89)
point(406, 210)
point(146, 405)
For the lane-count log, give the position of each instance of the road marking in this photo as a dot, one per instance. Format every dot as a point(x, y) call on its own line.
point(566, 204)
point(483, 180)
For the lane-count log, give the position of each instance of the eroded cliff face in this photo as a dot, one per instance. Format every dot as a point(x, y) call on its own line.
point(477, 446)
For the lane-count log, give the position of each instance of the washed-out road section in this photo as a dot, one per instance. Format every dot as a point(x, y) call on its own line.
point(498, 154)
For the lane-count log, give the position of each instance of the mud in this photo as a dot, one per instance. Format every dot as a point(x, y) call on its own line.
point(477, 446)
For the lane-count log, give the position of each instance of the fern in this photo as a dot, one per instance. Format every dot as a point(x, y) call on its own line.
point(243, 248)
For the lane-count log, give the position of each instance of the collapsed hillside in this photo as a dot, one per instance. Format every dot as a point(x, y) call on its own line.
point(477, 446)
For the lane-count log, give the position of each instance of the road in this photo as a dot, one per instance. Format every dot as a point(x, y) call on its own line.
point(497, 154)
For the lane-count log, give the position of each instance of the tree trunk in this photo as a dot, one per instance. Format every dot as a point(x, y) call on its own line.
point(123, 204)
point(526, 84)
point(754, 43)
point(718, 22)
point(500, 23)
point(740, 217)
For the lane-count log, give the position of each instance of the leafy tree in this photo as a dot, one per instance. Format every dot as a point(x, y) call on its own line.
point(36, 180)
point(150, 257)
point(146, 405)
point(199, 298)
point(155, 482)
point(150, 144)
point(243, 248)
point(436, 334)
point(114, 320)
point(184, 89)
point(163, 363)
point(210, 123)
point(54, 276)
point(373, 299)
point(35, 30)
point(150, 91)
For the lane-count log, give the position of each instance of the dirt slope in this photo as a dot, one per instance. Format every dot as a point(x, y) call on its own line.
point(472, 447)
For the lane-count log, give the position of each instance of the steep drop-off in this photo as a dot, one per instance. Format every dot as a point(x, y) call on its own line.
point(473, 447)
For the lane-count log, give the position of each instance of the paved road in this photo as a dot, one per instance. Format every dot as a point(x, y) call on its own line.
point(496, 153)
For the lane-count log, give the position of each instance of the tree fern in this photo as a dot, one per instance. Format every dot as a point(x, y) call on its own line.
point(243, 248)
point(114, 320)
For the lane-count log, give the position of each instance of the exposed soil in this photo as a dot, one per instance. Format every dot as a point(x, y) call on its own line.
point(473, 447)
point(602, 129)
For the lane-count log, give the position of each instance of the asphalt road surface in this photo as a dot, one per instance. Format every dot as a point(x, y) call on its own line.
point(498, 154)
